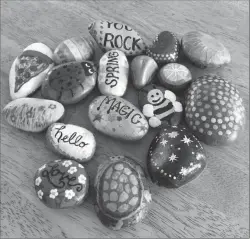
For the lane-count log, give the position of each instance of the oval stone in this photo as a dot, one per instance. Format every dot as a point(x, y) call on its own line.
point(143, 69)
point(204, 50)
point(121, 208)
point(113, 35)
point(70, 82)
point(165, 48)
point(74, 49)
point(175, 157)
point(61, 184)
point(175, 77)
point(29, 70)
point(118, 118)
point(113, 73)
point(214, 110)
point(71, 141)
point(31, 114)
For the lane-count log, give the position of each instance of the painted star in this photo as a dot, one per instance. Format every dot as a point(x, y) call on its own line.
point(142, 128)
point(186, 140)
point(173, 158)
point(163, 142)
point(98, 117)
point(183, 171)
point(173, 134)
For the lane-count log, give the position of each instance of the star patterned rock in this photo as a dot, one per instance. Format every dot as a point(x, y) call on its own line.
point(175, 157)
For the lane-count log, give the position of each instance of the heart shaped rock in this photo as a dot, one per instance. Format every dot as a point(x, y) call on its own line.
point(61, 184)
point(175, 157)
point(29, 70)
point(165, 48)
point(214, 110)
point(122, 193)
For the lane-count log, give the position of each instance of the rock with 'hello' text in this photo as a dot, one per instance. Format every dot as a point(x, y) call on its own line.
point(29, 70)
point(113, 35)
point(71, 141)
point(175, 157)
point(118, 118)
point(31, 114)
point(113, 73)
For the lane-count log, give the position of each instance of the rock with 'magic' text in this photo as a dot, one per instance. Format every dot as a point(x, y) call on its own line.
point(71, 141)
point(113, 35)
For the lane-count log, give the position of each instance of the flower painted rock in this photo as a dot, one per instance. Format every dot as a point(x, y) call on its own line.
point(204, 50)
point(160, 106)
point(74, 49)
point(70, 82)
point(113, 35)
point(122, 193)
point(165, 48)
point(71, 141)
point(61, 184)
point(143, 69)
point(118, 118)
point(113, 73)
point(29, 70)
point(31, 114)
point(175, 76)
point(214, 110)
point(175, 157)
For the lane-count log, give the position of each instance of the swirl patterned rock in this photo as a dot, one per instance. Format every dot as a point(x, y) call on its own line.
point(61, 184)
point(122, 193)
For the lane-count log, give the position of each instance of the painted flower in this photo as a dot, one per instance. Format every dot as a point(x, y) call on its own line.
point(72, 170)
point(53, 193)
point(57, 160)
point(69, 194)
point(40, 194)
point(52, 106)
point(80, 166)
point(82, 179)
point(173, 134)
point(43, 167)
point(67, 163)
point(13, 119)
point(38, 181)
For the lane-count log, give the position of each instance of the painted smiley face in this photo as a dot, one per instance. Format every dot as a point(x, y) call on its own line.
point(155, 96)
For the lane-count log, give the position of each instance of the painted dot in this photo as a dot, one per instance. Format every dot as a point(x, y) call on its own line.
point(228, 132)
point(222, 102)
point(209, 132)
point(191, 122)
point(174, 177)
point(223, 109)
point(215, 126)
point(226, 119)
point(216, 107)
point(230, 124)
point(197, 122)
point(201, 130)
point(205, 98)
point(210, 113)
point(231, 118)
point(219, 97)
point(213, 101)
point(203, 118)
point(207, 106)
point(199, 103)
point(220, 92)
point(196, 114)
point(220, 133)
point(194, 127)
point(225, 98)
point(236, 127)
point(165, 174)
point(219, 121)
point(219, 114)
point(223, 126)
point(213, 120)
point(205, 92)
point(170, 175)
point(212, 94)
point(193, 109)
point(206, 125)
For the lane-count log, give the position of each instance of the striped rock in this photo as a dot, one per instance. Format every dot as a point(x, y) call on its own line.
point(74, 49)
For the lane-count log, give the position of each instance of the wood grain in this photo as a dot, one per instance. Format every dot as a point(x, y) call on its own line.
point(215, 205)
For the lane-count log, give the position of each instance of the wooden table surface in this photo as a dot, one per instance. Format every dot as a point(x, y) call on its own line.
point(216, 204)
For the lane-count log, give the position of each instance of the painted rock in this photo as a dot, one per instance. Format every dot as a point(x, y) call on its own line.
point(113, 73)
point(113, 35)
point(165, 48)
point(122, 193)
point(29, 70)
point(160, 106)
point(31, 114)
point(174, 76)
point(74, 49)
point(143, 69)
point(175, 157)
point(70, 82)
point(204, 50)
point(214, 110)
point(61, 184)
point(71, 141)
point(117, 118)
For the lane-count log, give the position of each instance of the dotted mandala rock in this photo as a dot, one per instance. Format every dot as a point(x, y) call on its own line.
point(122, 193)
point(214, 110)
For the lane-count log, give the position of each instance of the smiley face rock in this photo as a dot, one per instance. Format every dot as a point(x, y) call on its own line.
point(113, 73)
point(160, 106)
point(29, 70)
point(204, 50)
point(122, 194)
point(214, 110)
point(32, 115)
point(175, 157)
point(61, 184)
point(113, 35)
point(74, 49)
point(118, 118)
point(71, 141)
point(70, 82)
point(165, 48)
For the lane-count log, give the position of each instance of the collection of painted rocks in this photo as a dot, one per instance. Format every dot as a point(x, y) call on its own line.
point(212, 108)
